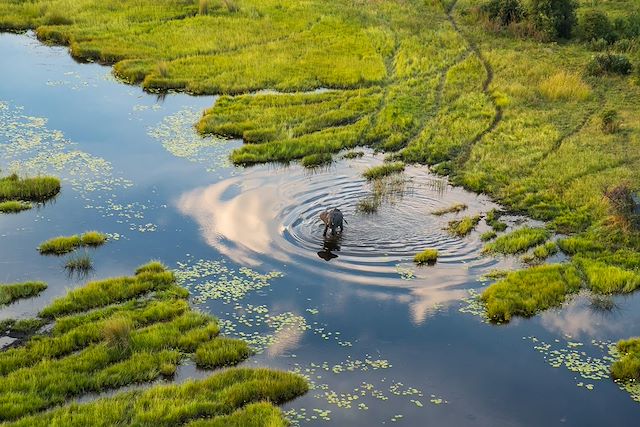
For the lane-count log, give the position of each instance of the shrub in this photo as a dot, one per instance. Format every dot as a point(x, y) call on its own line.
point(609, 122)
point(554, 18)
point(428, 256)
point(504, 12)
point(628, 28)
point(609, 63)
point(595, 25)
point(565, 86)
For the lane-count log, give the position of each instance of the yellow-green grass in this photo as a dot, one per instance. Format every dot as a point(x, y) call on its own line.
point(38, 189)
point(541, 253)
point(488, 235)
point(13, 292)
point(493, 220)
point(64, 244)
point(316, 160)
point(455, 208)
point(605, 278)
point(428, 256)
point(353, 154)
point(462, 227)
point(627, 367)
point(221, 352)
point(386, 169)
point(565, 86)
point(518, 241)
point(235, 397)
point(14, 206)
point(526, 292)
point(119, 332)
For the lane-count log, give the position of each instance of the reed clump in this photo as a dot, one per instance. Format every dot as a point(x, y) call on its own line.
point(14, 292)
point(627, 367)
point(316, 160)
point(428, 256)
point(221, 352)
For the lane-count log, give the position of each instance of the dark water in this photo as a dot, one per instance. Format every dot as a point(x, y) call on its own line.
point(383, 341)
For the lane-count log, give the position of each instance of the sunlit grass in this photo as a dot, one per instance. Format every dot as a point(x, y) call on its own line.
point(13, 292)
point(462, 227)
point(38, 189)
point(627, 367)
point(386, 169)
point(221, 352)
point(518, 241)
point(64, 244)
point(428, 256)
point(565, 86)
point(315, 160)
point(14, 206)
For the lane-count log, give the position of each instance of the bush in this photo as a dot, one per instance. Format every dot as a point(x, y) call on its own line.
point(554, 18)
point(628, 28)
point(504, 12)
point(609, 63)
point(595, 25)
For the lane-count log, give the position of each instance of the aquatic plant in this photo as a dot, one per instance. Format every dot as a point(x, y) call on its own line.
point(122, 331)
point(386, 169)
point(428, 256)
point(518, 241)
point(627, 367)
point(462, 227)
point(526, 292)
point(79, 264)
point(14, 206)
point(151, 267)
point(64, 244)
point(315, 160)
point(38, 189)
point(368, 205)
point(221, 352)
point(13, 292)
point(455, 208)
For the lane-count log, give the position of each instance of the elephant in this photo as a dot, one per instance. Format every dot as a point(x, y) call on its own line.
point(332, 219)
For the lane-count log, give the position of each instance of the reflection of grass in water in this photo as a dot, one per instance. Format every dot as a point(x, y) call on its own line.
point(13, 292)
point(122, 331)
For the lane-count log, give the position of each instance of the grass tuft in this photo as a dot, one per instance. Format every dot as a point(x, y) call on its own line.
point(117, 333)
point(464, 226)
point(518, 241)
point(64, 244)
point(39, 189)
point(565, 86)
point(316, 160)
point(428, 256)
point(79, 264)
point(221, 352)
point(154, 267)
point(383, 170)
point(13, 292)
point(14, 206)
point(458, 207)
point(627, 367)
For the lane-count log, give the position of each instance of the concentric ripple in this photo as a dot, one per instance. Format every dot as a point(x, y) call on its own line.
point(269, 213)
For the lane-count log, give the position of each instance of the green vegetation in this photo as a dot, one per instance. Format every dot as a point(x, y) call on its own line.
point(353, 154)
point(518, 241)
point(11, 293)
point(488, 235)
point(493, 221)
point(386, 169)
point(13, 206)
point(64, 244)
point(458, 207)
point(428, 256)
point(122, 331)
point(604, 278)
point(39, 189)
point(609, 63)
point(221, 352)
point(525, 293)
point(627, 367)
point(386, 189)
point(317, 159)
point(464, 226)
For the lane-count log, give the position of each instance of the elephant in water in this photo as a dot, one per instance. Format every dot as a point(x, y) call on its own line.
point(332, 219)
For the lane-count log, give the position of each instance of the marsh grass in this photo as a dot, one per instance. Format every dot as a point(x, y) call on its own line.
point(221, 352)
point(488, 235)
point(540, 253)
point(376, 172)
point(152, 267)
point(316, 160)
point(458, 207)
point(14, 206)
point(627, 367)
point(14, 292)
point(518, 241)
point(388, 189)
point(123, 331)
point(38, 189)
point(368, 205)
point(65, 244)
point(80, 265)
point(607, 279)
point(463, 227)
point(353, 154)
point(428, 256)
point(526, 292)
point(493, 220)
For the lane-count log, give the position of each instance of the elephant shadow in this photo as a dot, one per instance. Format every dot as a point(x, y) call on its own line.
point(330, 245)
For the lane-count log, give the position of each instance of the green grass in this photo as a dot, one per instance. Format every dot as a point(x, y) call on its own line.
point(518, 241)
point(221, 352)
point(64, 244)
point(377, 172)
point(493, 220)
point(123, 331)
point(151, 267)
point(353, 154)
point(14, 292)
point(428, 256)
point(527, 292)
point(462, 227)
point(315, 160)
point(541, 252)
point(603, 278)
point(14, 206)
point(488, 235)
point(368, 205)
point(627, 367)
point(79, 264)
point(458, 207)
point(38, 189)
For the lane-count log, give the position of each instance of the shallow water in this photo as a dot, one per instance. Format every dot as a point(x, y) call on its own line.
point(382, 341)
